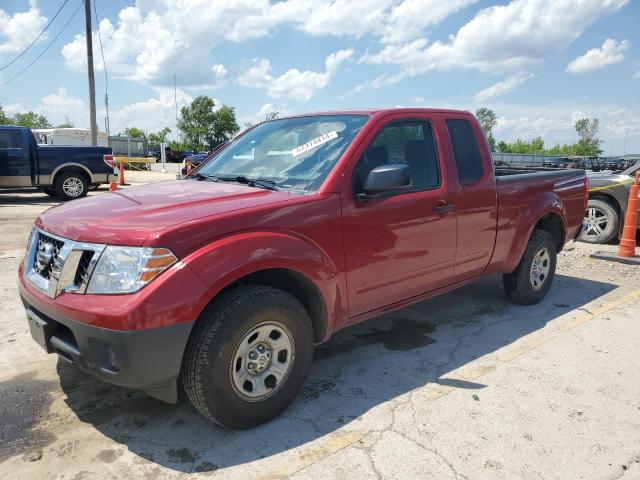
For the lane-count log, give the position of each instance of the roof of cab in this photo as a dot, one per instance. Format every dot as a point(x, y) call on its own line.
point(372, 111)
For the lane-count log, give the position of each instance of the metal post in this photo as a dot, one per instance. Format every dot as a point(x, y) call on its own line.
point(128, 146)
point(163, 157)
point(92, 80)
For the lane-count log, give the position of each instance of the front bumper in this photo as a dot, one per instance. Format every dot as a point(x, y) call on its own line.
point(147, 359)
point(134, 340)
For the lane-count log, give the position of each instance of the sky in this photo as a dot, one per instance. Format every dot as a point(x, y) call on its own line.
point(539, 64)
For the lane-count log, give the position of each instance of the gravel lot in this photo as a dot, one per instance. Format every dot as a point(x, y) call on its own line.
point(463, 386)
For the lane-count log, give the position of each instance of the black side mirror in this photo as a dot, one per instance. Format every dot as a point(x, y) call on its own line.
point(387, 178)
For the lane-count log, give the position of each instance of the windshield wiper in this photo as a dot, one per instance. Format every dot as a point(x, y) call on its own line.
point(252, 182)
point(204, 176)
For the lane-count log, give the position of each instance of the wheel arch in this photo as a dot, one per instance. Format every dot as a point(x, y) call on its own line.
point(297, 285)
point(277, 259)
point(611, 199)
point(553, 224)
point(71, 167)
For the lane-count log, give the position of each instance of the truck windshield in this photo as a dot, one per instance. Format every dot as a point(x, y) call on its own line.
point(292, 153)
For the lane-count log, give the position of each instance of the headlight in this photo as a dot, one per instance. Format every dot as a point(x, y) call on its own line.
point(128, 269)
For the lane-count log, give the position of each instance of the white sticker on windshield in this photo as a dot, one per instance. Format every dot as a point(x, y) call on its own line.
point(316, 142)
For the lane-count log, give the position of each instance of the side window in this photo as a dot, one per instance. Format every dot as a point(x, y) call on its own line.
point(10, 138)
point(406, 142)
point(466, 151)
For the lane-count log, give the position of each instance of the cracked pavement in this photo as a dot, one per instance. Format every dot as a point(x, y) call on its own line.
point(465, 386)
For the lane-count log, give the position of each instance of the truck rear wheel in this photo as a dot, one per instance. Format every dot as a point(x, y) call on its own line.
point(248, 356)
point(532, 278)
point(71, 185)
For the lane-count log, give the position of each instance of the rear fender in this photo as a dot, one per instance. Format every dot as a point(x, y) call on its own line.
point(526, 219)
point(227, 260)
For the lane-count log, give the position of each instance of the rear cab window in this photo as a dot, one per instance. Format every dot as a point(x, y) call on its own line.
point(10, 138)
point(469, 162)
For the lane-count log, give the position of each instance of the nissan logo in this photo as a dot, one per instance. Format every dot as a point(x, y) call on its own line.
point(44, 256)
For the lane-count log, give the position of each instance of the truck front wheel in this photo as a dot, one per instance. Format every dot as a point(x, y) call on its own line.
point(248, 356)
point(532, 278)
point(71, 185)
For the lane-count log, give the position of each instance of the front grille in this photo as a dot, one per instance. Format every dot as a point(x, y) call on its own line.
point(57, 245)
point(54, 265)
point(82, 273)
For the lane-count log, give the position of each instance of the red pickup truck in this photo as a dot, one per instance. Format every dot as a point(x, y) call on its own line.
point(223, 282)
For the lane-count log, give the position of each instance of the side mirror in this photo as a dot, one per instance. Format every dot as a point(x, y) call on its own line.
point(387, 178)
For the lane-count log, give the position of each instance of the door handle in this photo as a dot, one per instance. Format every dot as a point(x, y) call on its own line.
point(442, 208)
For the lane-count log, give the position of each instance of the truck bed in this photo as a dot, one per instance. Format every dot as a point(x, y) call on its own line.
point(520, 192)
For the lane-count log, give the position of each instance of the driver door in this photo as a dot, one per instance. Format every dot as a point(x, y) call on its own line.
point(402, 244)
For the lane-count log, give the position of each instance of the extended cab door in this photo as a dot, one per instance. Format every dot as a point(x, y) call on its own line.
point(15, 161)
point(402, 244)
point(476, 199)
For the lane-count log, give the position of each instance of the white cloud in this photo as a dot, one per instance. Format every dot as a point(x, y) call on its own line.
point(17, 31)
point(501, 38)
point(60, 107)
point(264, 110)
point(504, 86)
point(391, 21)
point(153, 114)
point(293, 83)
point(155, 38)
point(257, 75)
point(611, 52)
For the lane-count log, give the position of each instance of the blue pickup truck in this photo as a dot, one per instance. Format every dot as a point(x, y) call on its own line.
point(63, 171)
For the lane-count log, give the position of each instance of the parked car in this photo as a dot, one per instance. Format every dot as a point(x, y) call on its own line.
point(63, 171)
point(557, 162)
point(617, 164)
point(608, 197)
point(171, 156)
point(300, 227)
point(199, 158)
point(195, 160)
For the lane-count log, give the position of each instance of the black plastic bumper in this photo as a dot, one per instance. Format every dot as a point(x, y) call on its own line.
point(148, 359)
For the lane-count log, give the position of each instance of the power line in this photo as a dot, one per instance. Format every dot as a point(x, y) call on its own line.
point(47, 47)
point(37, 38)
point(104, 66)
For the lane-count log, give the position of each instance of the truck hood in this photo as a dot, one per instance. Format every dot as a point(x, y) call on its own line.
point(129, 216)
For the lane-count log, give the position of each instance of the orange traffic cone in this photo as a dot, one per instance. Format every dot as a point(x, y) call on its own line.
point(113, 187)
point(627, 249)
point(121, 173)
point(628, 240)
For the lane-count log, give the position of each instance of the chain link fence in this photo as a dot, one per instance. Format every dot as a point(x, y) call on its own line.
point(128, 146)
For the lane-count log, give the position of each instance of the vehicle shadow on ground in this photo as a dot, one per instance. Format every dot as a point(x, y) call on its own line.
point(356, 371)
point(18, 196)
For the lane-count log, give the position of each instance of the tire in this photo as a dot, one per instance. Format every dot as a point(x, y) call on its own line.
point(49, 191)
point(602, 222)
point(218, 356)
point(71, 185)
point(523, 285)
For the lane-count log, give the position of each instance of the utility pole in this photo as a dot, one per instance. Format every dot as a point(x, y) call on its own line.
point(175, 100)
point(92, 80)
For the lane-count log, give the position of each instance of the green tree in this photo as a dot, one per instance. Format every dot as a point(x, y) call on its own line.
point(4, 120)
point(589, 143)
point(159, 137)
point(65, 125)
point(203, 127)
point(488, 121)
point(30, 120)
point(134, 132)
point(522, 146)
point(271, 115)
